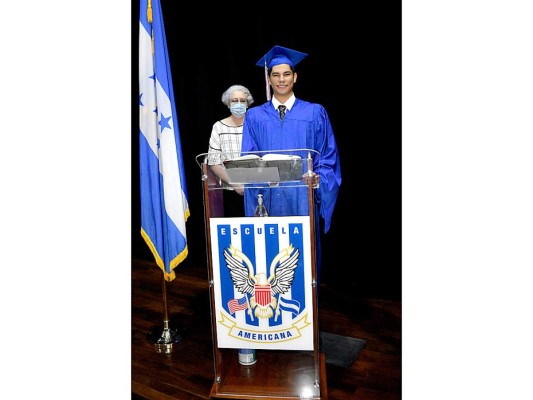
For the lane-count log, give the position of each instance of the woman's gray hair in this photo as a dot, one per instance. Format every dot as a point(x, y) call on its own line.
point(226, 96)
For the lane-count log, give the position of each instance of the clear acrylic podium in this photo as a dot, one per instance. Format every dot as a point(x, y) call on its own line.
point(263, 277)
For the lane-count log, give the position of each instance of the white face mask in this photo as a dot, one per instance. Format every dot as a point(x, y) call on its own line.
point(238, 109)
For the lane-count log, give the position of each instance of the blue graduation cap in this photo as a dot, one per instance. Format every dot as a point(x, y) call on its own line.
point(281, 55)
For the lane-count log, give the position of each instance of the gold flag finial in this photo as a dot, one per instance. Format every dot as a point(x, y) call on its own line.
point(149, 11)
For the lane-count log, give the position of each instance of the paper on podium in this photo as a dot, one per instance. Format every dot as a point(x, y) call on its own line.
point(268, 168)
point(279, 157)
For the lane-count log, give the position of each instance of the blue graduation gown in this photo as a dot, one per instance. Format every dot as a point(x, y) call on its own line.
point(306, 126)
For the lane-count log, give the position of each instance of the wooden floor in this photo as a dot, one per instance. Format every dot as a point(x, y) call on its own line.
point(188, 372)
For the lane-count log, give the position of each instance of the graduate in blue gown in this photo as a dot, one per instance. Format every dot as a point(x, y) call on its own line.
point(285, 122)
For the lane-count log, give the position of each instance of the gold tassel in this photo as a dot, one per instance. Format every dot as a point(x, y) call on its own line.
point(149, 11)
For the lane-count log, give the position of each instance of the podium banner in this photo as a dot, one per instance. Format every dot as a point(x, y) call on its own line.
point(262, 279)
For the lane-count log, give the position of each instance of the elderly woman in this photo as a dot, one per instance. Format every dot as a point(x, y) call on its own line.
point(225, 144)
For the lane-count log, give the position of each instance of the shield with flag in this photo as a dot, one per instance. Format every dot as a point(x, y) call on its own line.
point(262, 274)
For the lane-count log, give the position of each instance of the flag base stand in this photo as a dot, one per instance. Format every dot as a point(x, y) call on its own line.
point(164, 338)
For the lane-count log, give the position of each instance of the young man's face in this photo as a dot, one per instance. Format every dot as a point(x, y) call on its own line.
point(282, 79)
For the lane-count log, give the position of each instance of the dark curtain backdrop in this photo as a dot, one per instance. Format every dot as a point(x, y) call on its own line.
point(353, 69)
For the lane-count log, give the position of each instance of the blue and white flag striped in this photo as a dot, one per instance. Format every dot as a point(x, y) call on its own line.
point(164, 205)
point(290, 305)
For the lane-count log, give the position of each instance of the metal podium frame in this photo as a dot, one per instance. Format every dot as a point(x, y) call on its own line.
point(278, 373)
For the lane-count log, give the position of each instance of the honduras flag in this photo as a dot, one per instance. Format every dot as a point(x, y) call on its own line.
point(164, 205)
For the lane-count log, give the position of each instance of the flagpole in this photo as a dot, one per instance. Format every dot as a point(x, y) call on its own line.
point(164, 337)
point(164, 204)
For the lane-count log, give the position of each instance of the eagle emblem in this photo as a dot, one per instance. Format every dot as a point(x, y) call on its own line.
point(262, 289)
